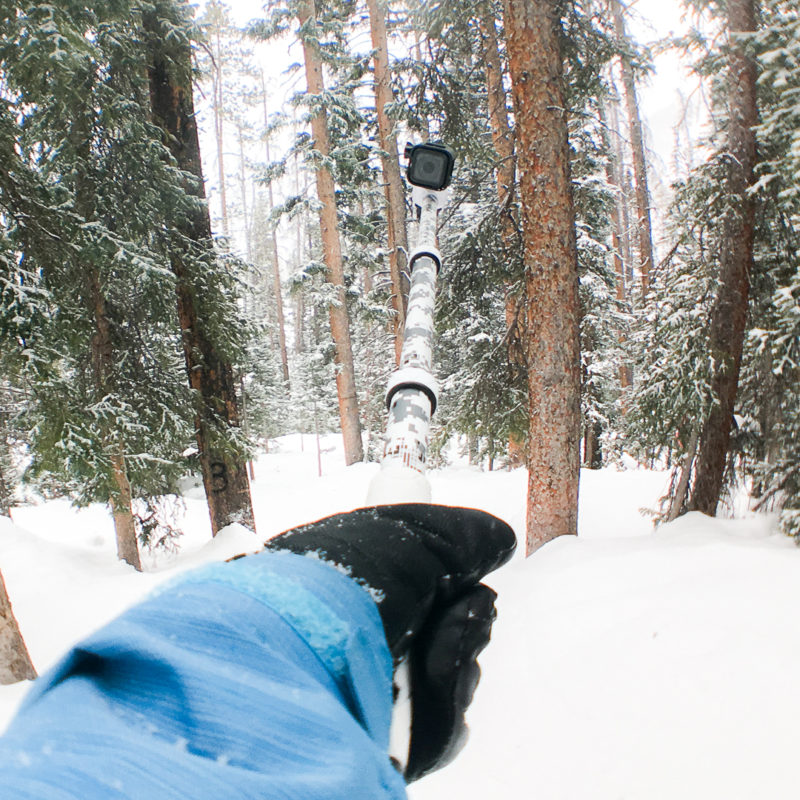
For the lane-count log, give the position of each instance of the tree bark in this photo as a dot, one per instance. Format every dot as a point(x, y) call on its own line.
point(5, 493)
point(503, 142)
point(644, 226)
point(729, 313)
point(331, 246)
point(551, 333)
point(121, 499)
point(103, 366)
point(276, 267)
point(219, 133)
point(210, 376)
point(15, 661)
point(397, 234)
point(502, 135)
point(612, 169)
point(248, 245)
point(685, 473)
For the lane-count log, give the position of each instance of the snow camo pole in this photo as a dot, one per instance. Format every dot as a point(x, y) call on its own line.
point(411, 396)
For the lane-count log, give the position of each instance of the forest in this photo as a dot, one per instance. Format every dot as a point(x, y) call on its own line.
point(153, 328)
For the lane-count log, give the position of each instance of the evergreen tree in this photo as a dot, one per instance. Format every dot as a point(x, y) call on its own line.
point(207, 291)
point(330, 114)
point(771, 377)
point(459, 85)
point(672, 406)
point(396, 232)
point(551, 329)
point(99, 354)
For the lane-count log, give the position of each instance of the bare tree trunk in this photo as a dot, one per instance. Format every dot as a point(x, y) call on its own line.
point(15, 661)
point(502, 135)
point(5, 494)
point(503, 141)
point(623, 181)
point(679, 498)
point(6, 490)
point(397, 234)
point(729, 313)
point(612, 169)
point(300, 306)
point(644, 227)
point(248, 247)
point(224, 475)
point(276, 267)
point(332, 250)
point(219, 132)
point(551, 333)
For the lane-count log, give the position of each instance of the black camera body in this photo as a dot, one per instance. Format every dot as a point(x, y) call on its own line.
point(429, 166)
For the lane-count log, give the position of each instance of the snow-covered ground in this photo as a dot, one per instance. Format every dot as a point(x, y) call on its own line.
point(625, 663)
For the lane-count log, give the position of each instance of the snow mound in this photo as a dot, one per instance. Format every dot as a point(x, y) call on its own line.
point(628, 662)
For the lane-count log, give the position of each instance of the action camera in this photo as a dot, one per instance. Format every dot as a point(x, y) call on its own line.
point(429, 166)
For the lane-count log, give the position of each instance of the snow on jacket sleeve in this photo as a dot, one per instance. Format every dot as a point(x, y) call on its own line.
point(267, 677)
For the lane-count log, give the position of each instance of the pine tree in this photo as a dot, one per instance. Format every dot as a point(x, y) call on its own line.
point(195, 265)
point(397, 235)
point(770, 383)
point(276, 270)
point(551, 328)
point(682, 357)
point(97, 350)
point(729, 315)
point(337, 157)
point(331, 244)
point(643, 224)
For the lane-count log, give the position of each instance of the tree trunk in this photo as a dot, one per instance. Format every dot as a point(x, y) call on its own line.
point(502, 135)
point(729, 313)
point(15, 661)
point(248, 245)
point(219, 132)
point(300, 260)
point(103, 366)
point(5, 493)
point(224, 475)
point(397, 234)
point(612, 169)
point(644, 227)
point(685, 473)
point(121, 498)
point(332, 251)
point(276, 267)
point(592, 448)
point(503, 142)
point(551, 335)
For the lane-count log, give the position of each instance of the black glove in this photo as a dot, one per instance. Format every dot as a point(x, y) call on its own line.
point(424, 564)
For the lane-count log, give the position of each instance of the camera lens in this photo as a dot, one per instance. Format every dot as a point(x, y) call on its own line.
point(428, 166)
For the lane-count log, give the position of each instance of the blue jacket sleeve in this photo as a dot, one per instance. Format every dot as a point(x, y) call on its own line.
point(267, 677)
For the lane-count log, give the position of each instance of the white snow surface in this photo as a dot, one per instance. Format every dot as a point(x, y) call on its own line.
point(626, 663)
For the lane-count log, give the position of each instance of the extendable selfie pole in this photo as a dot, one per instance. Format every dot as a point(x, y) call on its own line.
point(411, 396)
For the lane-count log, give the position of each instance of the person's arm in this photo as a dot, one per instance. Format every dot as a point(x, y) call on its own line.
point(270, 675)
point(265, 677)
